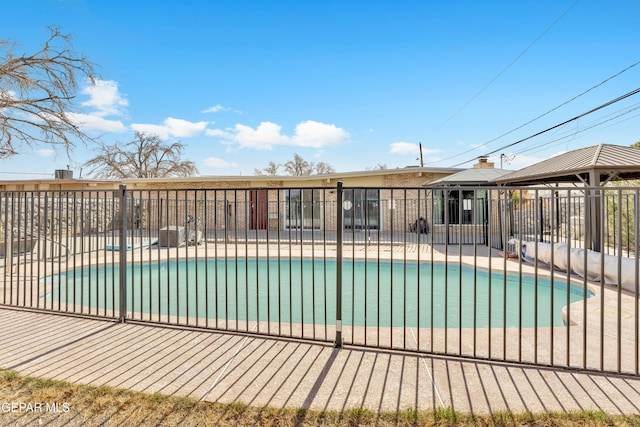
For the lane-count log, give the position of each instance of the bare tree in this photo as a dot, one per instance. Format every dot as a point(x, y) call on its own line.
point(298, 166)
point(270, 170)
point(323, 168)
point(145, 157)
point(37, 93)
point(377, 167)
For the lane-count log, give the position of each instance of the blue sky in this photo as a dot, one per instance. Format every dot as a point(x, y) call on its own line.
point(351, 83)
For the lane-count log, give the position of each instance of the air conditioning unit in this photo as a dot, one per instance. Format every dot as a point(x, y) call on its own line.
point(64, 174)
point(172, 235)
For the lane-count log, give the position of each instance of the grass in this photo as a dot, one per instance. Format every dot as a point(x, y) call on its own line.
point(93, 406)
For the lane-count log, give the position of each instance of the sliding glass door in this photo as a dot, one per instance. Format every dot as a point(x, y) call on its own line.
point(361, 209)
point(303, 209)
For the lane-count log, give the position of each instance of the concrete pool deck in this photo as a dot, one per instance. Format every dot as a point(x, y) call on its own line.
point(227, 367)
point(593, 324)
point(279, 372)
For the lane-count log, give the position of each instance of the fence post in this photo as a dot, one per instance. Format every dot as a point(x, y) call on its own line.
point(123, 253)
point(339, 212)
point(541, 222)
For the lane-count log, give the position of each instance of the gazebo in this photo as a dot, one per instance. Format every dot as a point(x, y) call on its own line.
point(593, 167)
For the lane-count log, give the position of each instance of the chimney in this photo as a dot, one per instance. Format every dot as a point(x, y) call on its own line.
point(483, 163)
point(63, 174)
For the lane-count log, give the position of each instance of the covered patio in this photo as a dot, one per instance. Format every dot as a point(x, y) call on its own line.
point(589, 169)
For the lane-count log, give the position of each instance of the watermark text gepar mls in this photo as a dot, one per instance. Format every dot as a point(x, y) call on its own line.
point(23, 407)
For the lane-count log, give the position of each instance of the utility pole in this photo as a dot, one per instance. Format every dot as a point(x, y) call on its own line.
point(421, 160)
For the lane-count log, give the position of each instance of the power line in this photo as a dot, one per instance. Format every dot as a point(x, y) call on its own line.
point(584, 129)
point(562, 105)
point(542, 115)
point(27, 173)
point(606, 104)
point(510, 64)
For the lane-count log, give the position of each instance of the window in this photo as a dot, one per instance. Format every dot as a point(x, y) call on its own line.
point(303, 209)
point(469, 210)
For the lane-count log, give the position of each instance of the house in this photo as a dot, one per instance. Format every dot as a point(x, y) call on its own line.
point(377, 199)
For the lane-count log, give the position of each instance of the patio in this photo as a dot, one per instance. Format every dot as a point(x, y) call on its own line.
point(227, 367)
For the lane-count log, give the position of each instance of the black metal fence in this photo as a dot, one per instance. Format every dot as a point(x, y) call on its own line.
point(428, 269)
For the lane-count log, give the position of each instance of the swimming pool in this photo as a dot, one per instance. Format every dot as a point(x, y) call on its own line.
point(304, 291)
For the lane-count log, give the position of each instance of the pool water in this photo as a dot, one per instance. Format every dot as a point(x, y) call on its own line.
point(298, 291)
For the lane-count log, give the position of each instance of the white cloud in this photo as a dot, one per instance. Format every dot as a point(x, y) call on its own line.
point(430, 151)
point(218, 133)
point(264, 137)
point(104, 101)
point(161, 131)
point(105, 98)
point(405, 148)
point(172, 127)
point(515, 161)
point(215, 109)
point(93, 122)
point(45, 152)
point(214, 162)
point(7, 95)
point(268, 134)
point(184, 128)
point(316, 134)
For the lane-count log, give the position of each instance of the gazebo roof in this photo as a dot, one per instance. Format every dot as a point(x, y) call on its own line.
point(603, 161)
